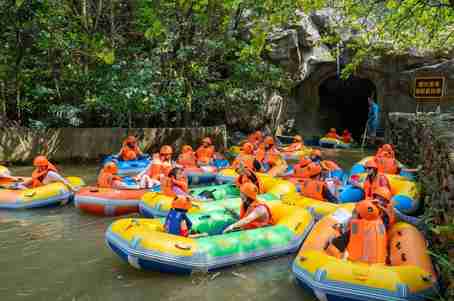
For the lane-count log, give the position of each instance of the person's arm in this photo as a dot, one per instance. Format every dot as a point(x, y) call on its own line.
point(257, 213)
point(55, 177)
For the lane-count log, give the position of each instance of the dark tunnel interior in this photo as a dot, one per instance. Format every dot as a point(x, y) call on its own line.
point(343, 104)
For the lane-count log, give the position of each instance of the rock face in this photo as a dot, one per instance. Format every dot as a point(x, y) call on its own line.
point(428, 139)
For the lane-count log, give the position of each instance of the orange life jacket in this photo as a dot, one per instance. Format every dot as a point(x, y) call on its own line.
point(379, 181)
point(159, 168)
point(271, 156)
point(347, 138)
point(168, 184)
point(387, 165)
point(187, 160)
point(261, 222)
point(313, 189)
point(39, 176)
point(295, 146)
point(368, 241)
point(246, 160)
point(204, 154)
point(106, 179)
point(241, 179)
point(301, 171)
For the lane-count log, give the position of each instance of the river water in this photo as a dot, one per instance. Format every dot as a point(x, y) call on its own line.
point(60, 254)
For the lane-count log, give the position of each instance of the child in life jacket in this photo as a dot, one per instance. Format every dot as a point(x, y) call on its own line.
point(246, 157)
point(313, 186)
point(373, 181)
point(332, 134)
point(347, 136)
point(270, 159)
point(130, 149)
point(175, 183)
point(44, 173)
point(387, 163)
point(158, 167)
point(177, 222)
point(205, 152)
point(187, 157)
point(108, 177)
point(364, 239)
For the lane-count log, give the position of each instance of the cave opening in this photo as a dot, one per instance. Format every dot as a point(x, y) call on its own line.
point(343, 104)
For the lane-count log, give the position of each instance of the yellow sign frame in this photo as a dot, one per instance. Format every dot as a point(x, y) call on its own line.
point(431, 85)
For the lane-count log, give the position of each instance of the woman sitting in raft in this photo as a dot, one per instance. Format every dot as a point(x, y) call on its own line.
point(45, 173)
point(108, 177)
point(175, 183)
point(313, 186)
point(347, 137)
point(177, 222)
point(268, 156)
point(374, 179)
point(130, 150)
point(245, 158)
point(159, 166)
point(187, 157)
point(205, 152)
point(387, 163)
point(296, 145)
point(332, 134)
point(253, 213)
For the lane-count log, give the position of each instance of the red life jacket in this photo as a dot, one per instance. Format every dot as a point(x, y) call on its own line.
point(313, 189)
point(368, 241)
point(39, 176)
point(261, 222)
point(347, 137)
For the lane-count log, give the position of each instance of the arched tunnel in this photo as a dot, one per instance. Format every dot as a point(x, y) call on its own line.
point(343, 104)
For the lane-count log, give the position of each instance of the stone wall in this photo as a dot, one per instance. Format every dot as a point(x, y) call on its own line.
point(428, 139)
point(64, 144)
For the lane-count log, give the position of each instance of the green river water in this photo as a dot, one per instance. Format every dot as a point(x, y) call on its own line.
point(60, 254)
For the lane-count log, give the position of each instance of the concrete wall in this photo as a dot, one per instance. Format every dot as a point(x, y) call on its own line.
point(23, 144)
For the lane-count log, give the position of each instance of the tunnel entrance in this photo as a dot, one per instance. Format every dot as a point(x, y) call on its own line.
point(343, 104)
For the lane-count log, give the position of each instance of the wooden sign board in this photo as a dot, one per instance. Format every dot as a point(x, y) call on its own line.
point(429, 88)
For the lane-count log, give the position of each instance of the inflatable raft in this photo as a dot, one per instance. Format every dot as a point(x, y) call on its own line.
point(333, 143)
point(406, 193)
point(200, 175)
point(108, 201)
point(130, 167)
point(294, 156)
point(44, 196)
point(409, 276)
point(359, 168)
point(4, 172)
point(143, 244)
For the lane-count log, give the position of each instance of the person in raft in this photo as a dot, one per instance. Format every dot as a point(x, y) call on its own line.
point(130, 150)
point(253, 213)
point(270, 159)
point(205, 152)
point(175, 183)
point(364, 239)
point(372, 119)
point(332, 134)
point(387, 163)
point(187, 158)
point(44, 173)
point(246, 175)
point(295, 146)
point(245, 157)
point(374, 179)
point(347, 137)
point(177, 222)
point(109, 178)
point(255, 139)
point(159, 166)
point(313, 186)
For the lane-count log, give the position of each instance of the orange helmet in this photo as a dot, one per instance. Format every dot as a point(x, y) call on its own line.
point(367, 210)
point(248, 148)
point(111, 167)
point(186, 149)
point(332, 130)
point(371, 164)
point(181, 202)
point(131, 139)
point(249, 189)
point(207, 140)
point(316, 153)
point(387, 147)
point(314, 169)
point(40, 161)
point(268, 140)
point(166, 150)
point(384, 193)
point(298, 138)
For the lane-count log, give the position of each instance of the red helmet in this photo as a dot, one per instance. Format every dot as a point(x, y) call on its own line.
point(249, 189)
point(268, 140)
point(367, 210)
point(371, 164)
point(111, 167)
point(166, 150)
point(181, 202)
point(40, 161)
point(186, 149)
point(207, 140)
point(248, 148)
point(298, 138)
point(384, 193)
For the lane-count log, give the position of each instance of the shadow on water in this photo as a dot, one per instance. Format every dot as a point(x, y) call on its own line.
point(60, 254)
